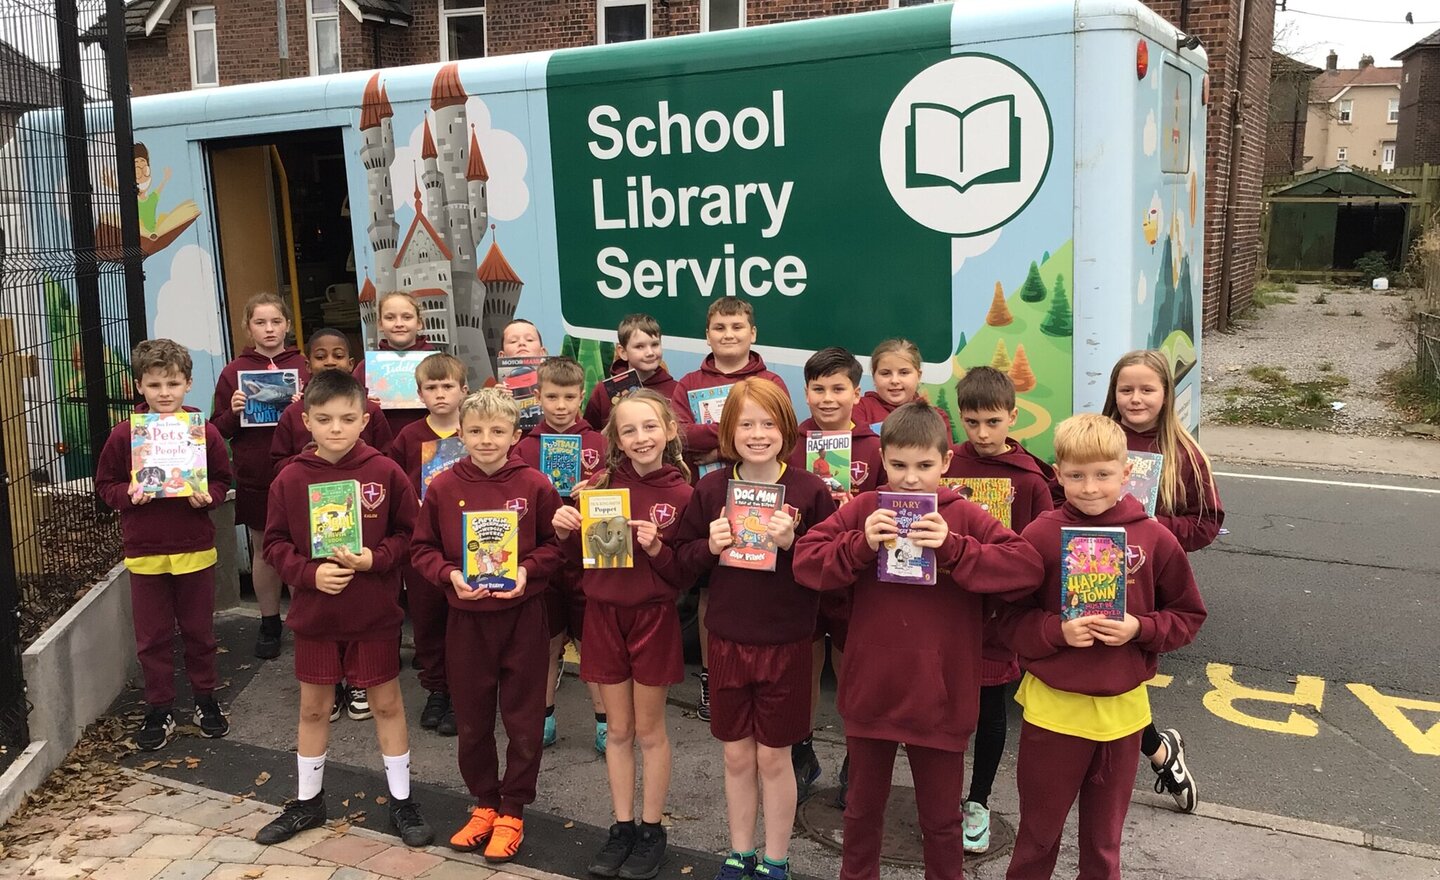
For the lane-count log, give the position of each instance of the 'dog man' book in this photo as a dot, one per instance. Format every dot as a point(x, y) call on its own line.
point(167, 454)
point(1092, 573)
point(492, 550)
point(748, 507)
point(827, 456)
point(901, 561)
point(334, 518)
point(605, 537)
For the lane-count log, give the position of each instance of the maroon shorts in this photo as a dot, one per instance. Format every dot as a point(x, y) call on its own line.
point(834, 617)
point(759, 691)
point(642, 643)
point(564, 608)
point(358, 664)
point(250, 507)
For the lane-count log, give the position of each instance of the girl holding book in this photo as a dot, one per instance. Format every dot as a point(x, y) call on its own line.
point(895, 366)
point(399, 317)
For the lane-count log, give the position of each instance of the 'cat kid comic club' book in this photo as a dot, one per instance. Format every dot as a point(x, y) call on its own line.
point(1092, 573)
point(748, 507)
point(901, 561)
point(267, 394)
point(492, 550)
point(827, 456)
point(167, 454)
point(335, 518)
point(605, 536)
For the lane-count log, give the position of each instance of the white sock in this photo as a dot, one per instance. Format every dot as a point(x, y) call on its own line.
point(397, 775)
point(312, 775)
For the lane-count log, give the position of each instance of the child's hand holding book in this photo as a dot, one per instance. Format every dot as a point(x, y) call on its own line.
point(1115, 632)
point(237, 401)
point(197, 500)
point(647, 535)
point(138, 495)
point(362, 561)
point(929, 531)
point(720, 534)
point(332, 577)
point(567, 521)
point(880, 526)
point(781, 528)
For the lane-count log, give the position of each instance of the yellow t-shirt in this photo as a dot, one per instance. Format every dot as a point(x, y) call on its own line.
point(172, 563)
point(1100, 719)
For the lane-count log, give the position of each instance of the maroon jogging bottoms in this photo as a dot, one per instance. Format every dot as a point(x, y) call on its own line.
point(1053, 770)
point(939, 777)
point(429, 610)
point(499, 658)
point(161, 603)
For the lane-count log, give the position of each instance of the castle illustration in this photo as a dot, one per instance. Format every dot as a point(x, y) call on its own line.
point(463, 307)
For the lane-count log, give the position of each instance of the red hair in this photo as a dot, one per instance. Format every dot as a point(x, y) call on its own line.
point(768, 396)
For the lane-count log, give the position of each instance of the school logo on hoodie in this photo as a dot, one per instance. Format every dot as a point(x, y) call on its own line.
point(1134, 559)
point(372, 495)
point(662, 514)
point(859, 472)
point(590, 458)
point(519, 505)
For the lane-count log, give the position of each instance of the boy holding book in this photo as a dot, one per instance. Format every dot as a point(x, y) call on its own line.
point(169, 551)
point(326, 349)
point(924, 635)
point(637, 348)
point(423, 449)
point(495, 641)
point(345, 611)
point(1084, 686)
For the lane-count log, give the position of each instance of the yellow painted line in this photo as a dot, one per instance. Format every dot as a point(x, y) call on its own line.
point(1387, 710)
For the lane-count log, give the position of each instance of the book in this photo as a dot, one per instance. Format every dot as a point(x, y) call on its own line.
point(827, 456)
point(334, 518)
point(391, 377)
point(1144, 482)
point(167, 454)
point(748, 507)
point(706, 404)
point(1092, 573)
point(492, 550)
point(560, 461)
point(994, 494)
point(521, 375)
point(267, 393)
point(437, 457)
point(616, 387)
point(901, 561)
point(962, 147)
point(605, 536)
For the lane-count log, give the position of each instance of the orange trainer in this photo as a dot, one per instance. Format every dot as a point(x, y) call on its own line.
point(476, 831)
point(507, 832)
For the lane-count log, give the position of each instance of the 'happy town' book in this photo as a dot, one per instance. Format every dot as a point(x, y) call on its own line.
point(334, 518)
point(1144, 482)
point(521, 375)
point(437, 457)
point(1092, 573)
point(391, 377)
point(492, 550)
point(605, 538)
point(616, 387)
point(900, 560)
point(748, 507)
point(560, 461)
point(994, 494)
point(167, 454)
point(267, 393)
point(827, 456)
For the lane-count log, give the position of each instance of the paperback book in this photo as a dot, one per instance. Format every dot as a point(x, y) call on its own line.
point(616, 387)
point(994, 494)
point(1092, 573)
point(437, 457)
point(391, 377)
point(1144, 482)
point(267, 394)
point(706, 404)
point(605, 536)
point(521, 375)
point(748, 507)
point(827, 456)
point(492, 550)
point(901, 561)
point(167, 454)
point(560, 461)
point(334, 518)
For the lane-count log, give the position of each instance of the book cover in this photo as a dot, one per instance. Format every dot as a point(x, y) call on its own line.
point(748, 507)
point(994, 494)
point(521, 375)
point(605, 537)
point(616, 387)
point(706, 404)
point(391, 377)
point(1144, 482)
point(492, 550)
point(827, 456)
point(901, 561)
point(1092, 573)
point(437, 457)
point(267, 393)
point(560, 461)
point(167, 454)
point(334, 518)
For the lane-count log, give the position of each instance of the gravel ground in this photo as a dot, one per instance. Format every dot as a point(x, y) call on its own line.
point(1299, 338)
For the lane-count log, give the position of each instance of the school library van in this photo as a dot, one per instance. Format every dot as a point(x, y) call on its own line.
point(1018, 184)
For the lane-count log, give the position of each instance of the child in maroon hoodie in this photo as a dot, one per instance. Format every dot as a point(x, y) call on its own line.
point(1142, 399)
point(560, 385)
point(495, 642)
point(345, 611)
point(399, 317)
point(267, 320)
point(440, 379)
point(761, 624)
point(638, 348)
point(632, 628)
point(729, 331)
point(169, 551)
point(912, 671)
point(1084, 686)
point(326, 349)
point(895, 366)
point(985, 398)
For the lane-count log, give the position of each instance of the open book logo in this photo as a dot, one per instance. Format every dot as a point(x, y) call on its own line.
point(963, 148)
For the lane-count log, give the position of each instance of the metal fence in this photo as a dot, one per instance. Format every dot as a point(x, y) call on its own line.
point(71, 307)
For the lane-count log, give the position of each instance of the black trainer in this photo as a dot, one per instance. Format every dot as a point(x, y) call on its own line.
point(341, 695)
point(409, 824)
point(702, 708)
point(210, 718)
point(267, 643)
point(1173, 777)
point(616, 850)
point(647, 856)
point(436, 705)
point(447, 727)
point(844, 783)
point(298, 816)
point(157, 730)
point(807, 768)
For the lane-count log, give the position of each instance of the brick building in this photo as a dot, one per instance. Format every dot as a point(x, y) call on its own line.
point(325, 35)
point(1417, 140)
point(1353, 116)
point(1290, 81)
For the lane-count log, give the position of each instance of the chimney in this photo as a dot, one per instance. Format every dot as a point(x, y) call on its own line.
point(1367, 61)
point(1332, 60)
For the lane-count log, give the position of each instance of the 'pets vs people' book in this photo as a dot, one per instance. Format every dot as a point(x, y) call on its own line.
point(900, 560)
point(437, 457)
point(492, 550)
point(267, 393)
point(1144, 482)
point(605, 536)
point(334, 518)
point(391, 377)
point(1092, 573)
point(995, 494)
point(167, 454)
point(827, 456)
point(748, 507)
point(560, 461)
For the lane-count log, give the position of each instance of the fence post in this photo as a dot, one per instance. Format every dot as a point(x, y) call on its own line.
point(118, 72)
point(14, 710)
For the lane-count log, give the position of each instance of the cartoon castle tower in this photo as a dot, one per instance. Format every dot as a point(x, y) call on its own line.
point(502, 292)
point(377, 152)
point(367, 310)
point(423, 268)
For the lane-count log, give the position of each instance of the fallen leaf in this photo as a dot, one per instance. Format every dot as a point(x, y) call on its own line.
point(360, 794)
point(686, 870)
point(380, 800)
point(254, 873)
point(149, 765)
point(345, 803)
point(569, 824)
point(342, 827)
point(263, 778)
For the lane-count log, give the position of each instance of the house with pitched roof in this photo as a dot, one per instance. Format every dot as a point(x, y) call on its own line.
point(1353, 116)
point(1417, 141)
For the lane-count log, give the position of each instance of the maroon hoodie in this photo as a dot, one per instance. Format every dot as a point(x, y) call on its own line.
point(291, 437)
point(912, 660)
point(867, 465)
point(398, 418)
point(872, 410)
point(250, 447)
point(592, 446)
point(597, 409)
point(659, 496)
point(1198, 524)
point(439, 545)
point(1159, 590)
point(368, 608)
point(405, 449)
point(161, 526)
point(706, 438)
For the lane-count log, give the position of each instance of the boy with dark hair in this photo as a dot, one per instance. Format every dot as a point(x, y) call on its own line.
point(637, 348)
point(326, 349)
point(170, 553)
point(345, 611)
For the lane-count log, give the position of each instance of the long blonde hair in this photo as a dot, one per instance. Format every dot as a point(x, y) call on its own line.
point(1171, 437)
point(614, 456)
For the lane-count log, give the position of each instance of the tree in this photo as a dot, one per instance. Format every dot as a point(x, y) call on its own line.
point(567, 347)
point(1020, 372)
point(999, 314)
point(1033, 290)
point(1001, 359)
point(960, 346)
point(1058, 321)
point(942, 403)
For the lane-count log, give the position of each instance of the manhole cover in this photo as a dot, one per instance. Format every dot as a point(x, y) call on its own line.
point(822, 821)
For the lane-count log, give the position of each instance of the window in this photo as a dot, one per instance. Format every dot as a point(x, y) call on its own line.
point(1342, 154)
point(1387, 156)
point(621, 21)
point(204, 59)
point(1393, 115)
point(721, 15)
point(1347, 111)
point(324, 37)
point(462, 29)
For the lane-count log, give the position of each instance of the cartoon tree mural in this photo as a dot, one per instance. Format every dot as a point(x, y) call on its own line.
point(1058, 320)
point(999, 314)
point(1033, 290)
point(942, 403)
point(1020, 372)
point(67, 371)
point(1001, 358)
point(593, 360)
point(567, 348)
point(960, 346)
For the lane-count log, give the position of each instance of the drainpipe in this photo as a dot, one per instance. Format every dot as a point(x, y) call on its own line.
point(1232, 182)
